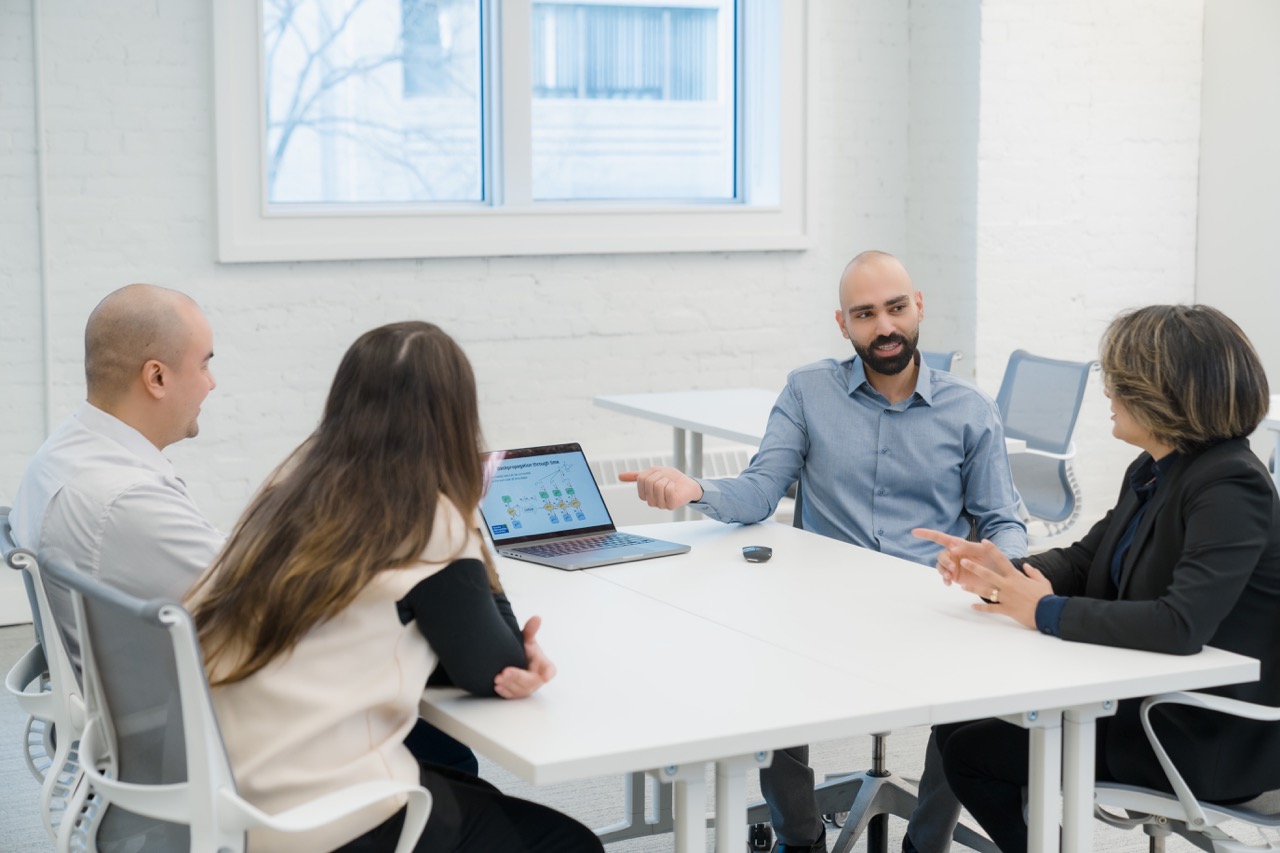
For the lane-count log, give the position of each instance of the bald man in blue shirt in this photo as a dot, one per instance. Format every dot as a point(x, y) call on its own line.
point(880, 444)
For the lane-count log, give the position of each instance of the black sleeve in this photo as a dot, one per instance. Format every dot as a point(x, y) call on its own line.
point(472, 630)
point(440, 676)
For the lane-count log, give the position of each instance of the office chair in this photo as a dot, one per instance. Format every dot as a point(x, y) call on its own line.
point(151, 748)
point(1039, 402)
point(941, 360)
point(866, 799)
point(1199, 822)
point(46, 687)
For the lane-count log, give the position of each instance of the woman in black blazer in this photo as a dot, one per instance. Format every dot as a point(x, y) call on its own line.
point(1189, 557)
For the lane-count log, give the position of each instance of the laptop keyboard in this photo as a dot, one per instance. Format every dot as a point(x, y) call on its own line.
point(588, 543)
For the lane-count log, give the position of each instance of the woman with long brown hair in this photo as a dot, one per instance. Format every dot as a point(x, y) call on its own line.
point(353, 574)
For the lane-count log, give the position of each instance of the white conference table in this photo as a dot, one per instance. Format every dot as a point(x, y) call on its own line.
point(643, 685)
point(658, 659)
point(1272, 423)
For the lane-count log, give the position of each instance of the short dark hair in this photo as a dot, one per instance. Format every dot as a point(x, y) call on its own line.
point(1186, 373)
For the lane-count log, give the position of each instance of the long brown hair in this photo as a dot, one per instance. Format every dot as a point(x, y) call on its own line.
point(400, 432)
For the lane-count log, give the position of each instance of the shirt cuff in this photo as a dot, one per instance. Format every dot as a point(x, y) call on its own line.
point(1049, 614)
point(709, 492)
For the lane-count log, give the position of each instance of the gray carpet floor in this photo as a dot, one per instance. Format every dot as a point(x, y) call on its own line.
point(596, 802)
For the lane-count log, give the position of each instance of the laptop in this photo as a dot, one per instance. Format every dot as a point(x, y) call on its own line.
point(543, 506)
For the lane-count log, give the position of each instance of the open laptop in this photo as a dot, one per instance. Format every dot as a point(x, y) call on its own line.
point(543, 506)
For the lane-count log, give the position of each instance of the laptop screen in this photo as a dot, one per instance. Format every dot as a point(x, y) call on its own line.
point(541, 493)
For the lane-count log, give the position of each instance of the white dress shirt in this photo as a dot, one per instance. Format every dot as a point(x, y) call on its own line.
point(99, 494)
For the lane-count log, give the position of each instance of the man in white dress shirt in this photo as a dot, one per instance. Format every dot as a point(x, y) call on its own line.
point(99, 491)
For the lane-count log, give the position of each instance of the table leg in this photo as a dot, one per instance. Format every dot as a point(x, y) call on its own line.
point(731, 798)
point(1078, 774)
point(679, 461)
point(636, 821)
point(1043, 777)
point(731, 806)
point(689, 798)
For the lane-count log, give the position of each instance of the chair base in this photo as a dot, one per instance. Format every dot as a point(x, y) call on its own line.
point(875, 798)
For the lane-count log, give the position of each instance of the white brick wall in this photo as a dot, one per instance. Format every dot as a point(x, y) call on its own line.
point(128, 99)
point(1087, 163)
point(942, 203)
point(1085, 187)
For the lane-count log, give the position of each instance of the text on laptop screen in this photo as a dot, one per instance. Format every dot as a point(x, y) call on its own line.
point(547, 493)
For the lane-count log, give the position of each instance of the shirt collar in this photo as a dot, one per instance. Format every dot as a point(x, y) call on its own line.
point(109, 426)
point(1146, 477)
point(924, 380)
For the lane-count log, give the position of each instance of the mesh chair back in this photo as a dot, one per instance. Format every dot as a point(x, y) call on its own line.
point(1039, 402)
point(130, 676)
point(1040, 399)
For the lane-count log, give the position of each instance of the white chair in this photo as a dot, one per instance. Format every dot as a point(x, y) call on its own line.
point(46, 687)
point(1199, 822)
point(152, 750)
point(1039, 402)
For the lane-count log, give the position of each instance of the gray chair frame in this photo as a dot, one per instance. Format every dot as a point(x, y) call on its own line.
point(1161, 814)
point(160, 758)
point(939, 360)
point(46, 686)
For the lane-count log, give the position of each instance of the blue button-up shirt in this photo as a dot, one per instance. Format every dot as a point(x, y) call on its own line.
point(872, 470)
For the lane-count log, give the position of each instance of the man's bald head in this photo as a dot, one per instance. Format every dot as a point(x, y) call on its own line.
point(131, 326)
point(872, 258)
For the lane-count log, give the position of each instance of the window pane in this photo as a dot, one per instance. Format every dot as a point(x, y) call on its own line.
point(373, 100)
point(633, 100)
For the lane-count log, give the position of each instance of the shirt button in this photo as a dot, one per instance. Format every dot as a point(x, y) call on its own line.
point(880, 532)
point(881, 491)
point(884, 450)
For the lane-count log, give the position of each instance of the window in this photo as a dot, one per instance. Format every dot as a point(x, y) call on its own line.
point(421, 128)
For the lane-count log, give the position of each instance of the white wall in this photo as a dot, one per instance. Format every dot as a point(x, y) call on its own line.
point(942, 201)
point(1237, 265)
point(129, 95)
point(1077, 197)
point(1088, 142)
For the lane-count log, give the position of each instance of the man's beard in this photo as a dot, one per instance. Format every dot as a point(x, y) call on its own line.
point(889, 365)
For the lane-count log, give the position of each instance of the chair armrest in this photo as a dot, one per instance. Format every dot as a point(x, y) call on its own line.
point(335, 806)
point(173, 802)
point(1195, 814)
point(159, 802)
point(29, 668)
point(1068, 456)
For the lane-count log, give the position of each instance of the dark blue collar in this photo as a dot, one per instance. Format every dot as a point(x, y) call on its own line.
point(1146, 478)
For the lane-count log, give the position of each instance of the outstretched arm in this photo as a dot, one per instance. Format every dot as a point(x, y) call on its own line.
point(664, 487)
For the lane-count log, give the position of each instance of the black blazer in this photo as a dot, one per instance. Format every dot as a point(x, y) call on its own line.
point(1203, 569)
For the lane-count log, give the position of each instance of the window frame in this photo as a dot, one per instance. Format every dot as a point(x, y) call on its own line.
point(510, 223)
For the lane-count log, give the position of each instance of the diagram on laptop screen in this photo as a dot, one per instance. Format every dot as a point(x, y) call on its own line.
point(543, 494)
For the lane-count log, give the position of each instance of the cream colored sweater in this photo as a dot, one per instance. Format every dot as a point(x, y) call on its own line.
point(335, 711)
